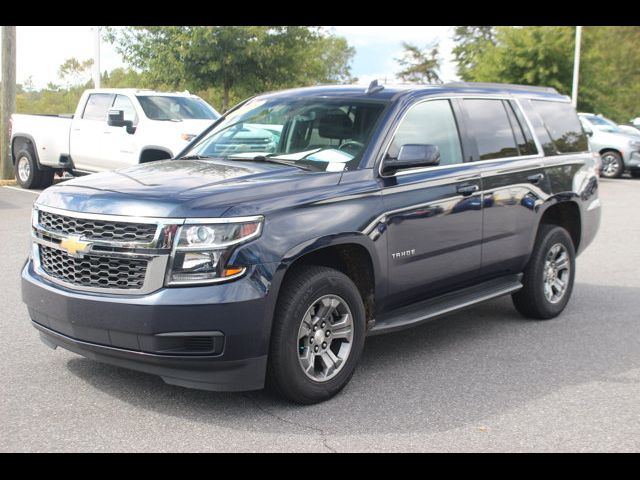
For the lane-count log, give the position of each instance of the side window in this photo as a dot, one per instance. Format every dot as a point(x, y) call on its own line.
point(524, 139)
point(541, 132)
point(123, 103)
point(563, 126)
point(491, 128)
point(97, 106)
point(433, 123)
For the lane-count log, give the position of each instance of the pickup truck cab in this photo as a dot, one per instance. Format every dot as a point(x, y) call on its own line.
point(111, 128)
point(305, 220)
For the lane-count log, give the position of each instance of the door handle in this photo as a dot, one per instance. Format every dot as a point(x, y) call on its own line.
point(535, 179)
point(467, 189)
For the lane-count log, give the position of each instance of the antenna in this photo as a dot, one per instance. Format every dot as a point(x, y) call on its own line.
point(374, 87)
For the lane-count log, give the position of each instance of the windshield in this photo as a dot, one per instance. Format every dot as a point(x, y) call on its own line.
point(165, 107)
point(602, 123)
point(322, 134)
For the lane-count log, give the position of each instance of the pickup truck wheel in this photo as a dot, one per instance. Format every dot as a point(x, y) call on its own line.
point(612, 165)
point(28, 175)
point(548, 278)
point(318, 335)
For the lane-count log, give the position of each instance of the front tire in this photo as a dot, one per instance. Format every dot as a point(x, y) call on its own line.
point(612, 165)
point(548, 278)
point(318, 335)
point(28, 174)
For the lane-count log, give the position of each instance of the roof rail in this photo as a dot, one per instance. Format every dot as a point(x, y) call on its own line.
point(506, 86)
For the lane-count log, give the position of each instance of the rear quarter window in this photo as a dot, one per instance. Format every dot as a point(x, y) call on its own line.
point(562, 124)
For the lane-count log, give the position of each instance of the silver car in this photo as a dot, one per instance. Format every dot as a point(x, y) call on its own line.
point(619, 149)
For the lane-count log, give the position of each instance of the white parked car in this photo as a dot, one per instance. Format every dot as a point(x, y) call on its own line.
point(112, 128)
point(619, 149)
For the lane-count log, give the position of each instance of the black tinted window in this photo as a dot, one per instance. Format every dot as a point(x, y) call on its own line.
point(491, 128)
point(521, 131)
point(97, 106)
point(563, 126)
point(430, 123)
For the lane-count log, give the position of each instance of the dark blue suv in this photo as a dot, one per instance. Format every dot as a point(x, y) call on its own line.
point(304, 220)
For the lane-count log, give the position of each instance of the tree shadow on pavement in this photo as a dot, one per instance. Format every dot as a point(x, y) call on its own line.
point(445, 374)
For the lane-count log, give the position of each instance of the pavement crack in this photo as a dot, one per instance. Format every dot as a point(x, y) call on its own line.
point(321, 432)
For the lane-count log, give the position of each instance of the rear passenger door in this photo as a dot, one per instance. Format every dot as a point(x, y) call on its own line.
point(434, 214)
point(513, 182)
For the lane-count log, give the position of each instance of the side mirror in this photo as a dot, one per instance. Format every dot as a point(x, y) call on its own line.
point(413, 156)
point(116, 119)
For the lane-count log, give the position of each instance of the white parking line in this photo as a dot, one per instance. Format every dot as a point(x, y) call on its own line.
point(35, 192)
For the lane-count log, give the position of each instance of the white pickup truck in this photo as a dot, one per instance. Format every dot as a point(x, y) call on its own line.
point(111, 128)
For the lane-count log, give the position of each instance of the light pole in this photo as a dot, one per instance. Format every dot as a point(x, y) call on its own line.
point(8, 97)
point(576, 68)
point(96, 57)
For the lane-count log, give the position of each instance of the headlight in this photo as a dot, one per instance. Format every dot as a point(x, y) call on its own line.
point(202, 250)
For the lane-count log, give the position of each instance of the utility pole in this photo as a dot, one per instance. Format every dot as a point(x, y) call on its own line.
point(96, 57)
point(576, 68)
point(8, 97)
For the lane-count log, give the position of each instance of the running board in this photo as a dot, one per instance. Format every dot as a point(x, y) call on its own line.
point(418, 313)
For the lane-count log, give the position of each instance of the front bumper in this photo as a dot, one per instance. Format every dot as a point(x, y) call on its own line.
point(136, 331)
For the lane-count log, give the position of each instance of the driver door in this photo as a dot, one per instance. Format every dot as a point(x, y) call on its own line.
point(434, 214)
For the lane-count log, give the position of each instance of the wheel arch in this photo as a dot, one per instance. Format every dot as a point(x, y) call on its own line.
point(565, 213)
point(152, 153)
point(21, 140)
point(352, 254)
point(614, 150)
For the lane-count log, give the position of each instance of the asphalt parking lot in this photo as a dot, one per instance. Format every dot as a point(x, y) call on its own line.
point(484, 379)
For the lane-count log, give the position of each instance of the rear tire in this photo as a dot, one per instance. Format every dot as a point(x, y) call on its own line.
point(548, 278)
point(29, 174)
point(612, 165)
point(294, 370)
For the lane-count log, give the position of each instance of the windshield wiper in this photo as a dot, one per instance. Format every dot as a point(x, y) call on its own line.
point(270, 159)
point(195, 157)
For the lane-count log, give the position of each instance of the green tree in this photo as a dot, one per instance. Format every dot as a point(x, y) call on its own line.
point(75, 72)
point(471, 42)
point(419, 66)
point(234, 60)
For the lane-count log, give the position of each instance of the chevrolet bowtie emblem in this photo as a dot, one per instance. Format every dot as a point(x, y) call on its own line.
point(74, 246)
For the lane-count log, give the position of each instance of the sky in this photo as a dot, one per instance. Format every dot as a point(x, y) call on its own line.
point(41, 50)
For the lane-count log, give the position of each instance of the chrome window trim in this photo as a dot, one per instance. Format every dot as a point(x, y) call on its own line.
point(516, 99)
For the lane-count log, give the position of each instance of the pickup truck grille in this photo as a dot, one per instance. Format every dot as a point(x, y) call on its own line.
point(98, 229)
point(94, 270)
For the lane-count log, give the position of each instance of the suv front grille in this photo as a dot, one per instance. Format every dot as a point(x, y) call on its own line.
point(94, 270)
point(98, 229)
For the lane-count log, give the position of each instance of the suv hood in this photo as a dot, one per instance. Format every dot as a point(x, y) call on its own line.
point(183, 188)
